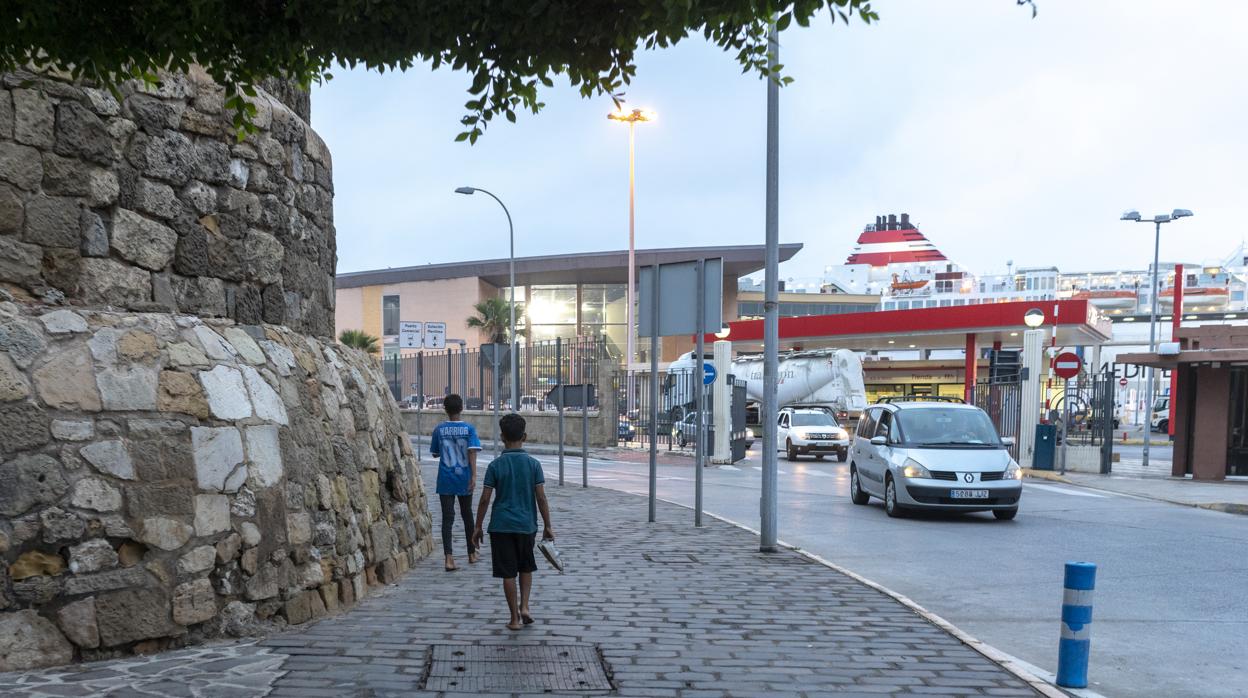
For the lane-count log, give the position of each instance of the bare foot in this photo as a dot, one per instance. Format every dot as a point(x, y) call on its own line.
point(528, 619)
point(450, 564)
point(513, 625)
point(472, 558)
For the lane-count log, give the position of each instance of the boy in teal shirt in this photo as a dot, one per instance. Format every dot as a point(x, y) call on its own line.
point(518, 480)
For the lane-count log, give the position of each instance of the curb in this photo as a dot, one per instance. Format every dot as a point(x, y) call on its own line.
point(1049, 475)
point(1223, 507)
point(1018, 668)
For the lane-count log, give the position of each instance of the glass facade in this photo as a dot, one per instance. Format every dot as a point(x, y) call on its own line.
point(571, 310)
point(390, 315)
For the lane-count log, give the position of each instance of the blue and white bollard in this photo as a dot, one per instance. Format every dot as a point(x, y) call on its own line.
point(1072, 649)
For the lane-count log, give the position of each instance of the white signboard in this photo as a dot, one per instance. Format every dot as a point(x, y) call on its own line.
point(435, 335)
point(411, 335)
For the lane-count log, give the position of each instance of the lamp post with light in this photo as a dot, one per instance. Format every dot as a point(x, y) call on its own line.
point(632, 118)
point(511, 270)
point(1134, 217)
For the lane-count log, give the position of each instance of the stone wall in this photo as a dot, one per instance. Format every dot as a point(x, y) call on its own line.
point(184, 451)
point(150, 204)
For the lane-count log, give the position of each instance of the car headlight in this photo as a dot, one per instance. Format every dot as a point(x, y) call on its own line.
point(1013, 471)
point(912, 468)
point(841, 434)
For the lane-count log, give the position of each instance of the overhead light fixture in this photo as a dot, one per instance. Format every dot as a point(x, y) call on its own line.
point(723, 332)
point(893, 341)
point(1013, 334)
point(911, 346)
point(1190, 317)
point(1128, 319)
point(1230, 316)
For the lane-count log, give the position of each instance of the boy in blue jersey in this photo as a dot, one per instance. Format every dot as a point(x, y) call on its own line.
point(455, 444)
point(517, 478)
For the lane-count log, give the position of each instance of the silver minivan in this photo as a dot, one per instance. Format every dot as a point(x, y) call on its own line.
point(942, 455)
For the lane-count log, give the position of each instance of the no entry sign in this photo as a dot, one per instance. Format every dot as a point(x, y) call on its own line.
point(1122, 382)
point(1067, 365)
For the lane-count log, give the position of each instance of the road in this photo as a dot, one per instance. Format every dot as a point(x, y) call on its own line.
point(1171, 609)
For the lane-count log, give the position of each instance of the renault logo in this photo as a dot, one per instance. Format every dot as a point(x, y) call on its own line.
point(968, 477)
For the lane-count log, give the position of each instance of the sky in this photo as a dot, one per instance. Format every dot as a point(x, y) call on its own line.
point(1006, 138)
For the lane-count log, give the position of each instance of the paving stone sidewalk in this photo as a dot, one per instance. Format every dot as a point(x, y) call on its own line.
point(727, 621)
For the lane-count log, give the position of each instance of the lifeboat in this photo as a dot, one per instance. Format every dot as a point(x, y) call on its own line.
point(906, 284)
point(1108, 298)
point(1215, 297)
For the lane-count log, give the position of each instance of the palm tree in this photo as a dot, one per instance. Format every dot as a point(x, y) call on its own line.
point(494, 318)
point(359, 340)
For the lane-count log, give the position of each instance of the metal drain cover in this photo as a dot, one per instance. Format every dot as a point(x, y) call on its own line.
point(515, 668)
point(670, 558)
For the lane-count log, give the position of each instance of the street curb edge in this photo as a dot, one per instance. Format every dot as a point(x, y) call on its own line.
point(1002, 659)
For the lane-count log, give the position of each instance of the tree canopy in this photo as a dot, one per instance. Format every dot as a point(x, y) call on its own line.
point(509, 47)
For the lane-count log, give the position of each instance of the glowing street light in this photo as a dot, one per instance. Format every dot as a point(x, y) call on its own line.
point(632, 118)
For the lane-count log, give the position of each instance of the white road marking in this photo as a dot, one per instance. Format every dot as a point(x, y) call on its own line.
point(816, 473)
point(1063, 490)
point(758, 468)
point(729, 467)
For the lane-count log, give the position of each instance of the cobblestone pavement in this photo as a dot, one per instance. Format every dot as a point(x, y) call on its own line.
point(673, 610)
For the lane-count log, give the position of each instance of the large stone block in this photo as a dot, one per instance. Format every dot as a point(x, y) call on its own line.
point(226, 393)
point(20, 165)
point(12, 211)
point(92, 556)
point(19, 262)
point(165, 533)
point(13, 384)
point(28, 480)
point(267, 403)
point(96, 494)
point(77, 621)
point(265, 456)
point(143, 241)
point(59, 525)
point(110, 457)
point(147, 500)
point(67, 381)
point(33, 118)
point(219, 462)
point(194, 602)
point(127, 578)
point(111, 283)
point(134, 614)
point(180, 392)
point(212, 514)
point(35, 563)
point(80, 133)
point(30, 641)
point(52, 221)
point(132, 388)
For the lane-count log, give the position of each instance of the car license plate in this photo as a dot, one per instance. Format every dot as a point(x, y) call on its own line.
point(823, 444)
point(968, 494)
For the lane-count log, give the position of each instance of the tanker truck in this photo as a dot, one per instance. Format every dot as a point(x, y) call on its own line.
point(827, 378)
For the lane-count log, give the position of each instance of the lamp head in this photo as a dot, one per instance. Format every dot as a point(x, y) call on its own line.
point(724, 332)
point(465, 190)
point(632, 117)
point(1180, 213)
point(1132, 215)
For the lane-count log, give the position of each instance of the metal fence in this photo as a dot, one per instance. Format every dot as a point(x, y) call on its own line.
point(424, 378)
point(1004, 404)
point(675, 400)
point(1091, 413)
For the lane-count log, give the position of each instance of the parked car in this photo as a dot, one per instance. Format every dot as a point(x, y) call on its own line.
point(685, 431)
point(933, 455)
point(811, 431)
point(529, 403)
point(434, 403)
point(626, 430)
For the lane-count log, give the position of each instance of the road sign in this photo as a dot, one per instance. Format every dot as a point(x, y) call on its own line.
point(709, 374)
point(435, 335)
point(1122, 382)
point(678, 287)
point(411, 335)
point(1067, 365)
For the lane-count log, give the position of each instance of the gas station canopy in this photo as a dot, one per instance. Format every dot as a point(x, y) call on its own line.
point(1078, 324)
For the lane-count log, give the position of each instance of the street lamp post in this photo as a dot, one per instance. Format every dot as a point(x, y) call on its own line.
point(632, 118)
point(511, 270)
point(1134, 217)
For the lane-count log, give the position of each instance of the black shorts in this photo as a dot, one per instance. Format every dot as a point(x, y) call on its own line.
point(512, 553)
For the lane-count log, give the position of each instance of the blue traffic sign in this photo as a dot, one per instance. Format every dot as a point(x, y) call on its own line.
point(708, 373)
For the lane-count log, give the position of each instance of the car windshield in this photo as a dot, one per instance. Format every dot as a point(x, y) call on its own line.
point(947, 426)
point(813, 419)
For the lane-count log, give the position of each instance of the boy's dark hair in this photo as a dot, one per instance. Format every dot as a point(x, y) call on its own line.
point(453, 404)
point(512, 427)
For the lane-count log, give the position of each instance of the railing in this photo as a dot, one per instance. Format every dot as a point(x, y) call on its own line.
point(424, 378)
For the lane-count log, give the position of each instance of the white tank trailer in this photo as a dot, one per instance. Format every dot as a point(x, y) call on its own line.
point(830, 378)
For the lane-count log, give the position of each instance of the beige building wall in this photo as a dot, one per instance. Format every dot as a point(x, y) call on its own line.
point(444, 300)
